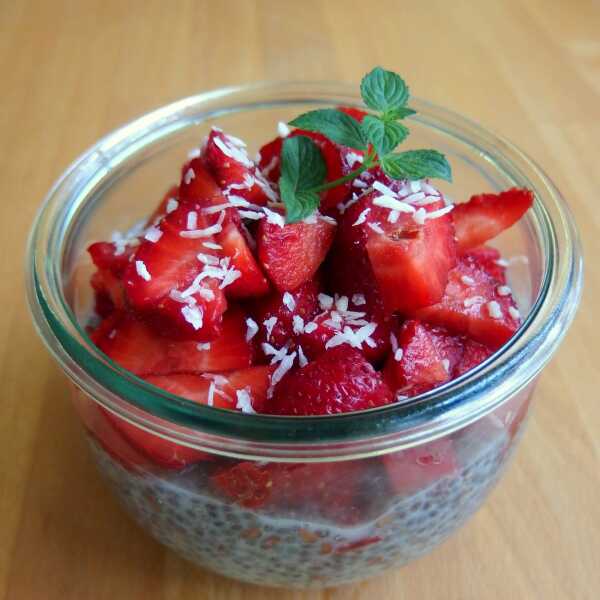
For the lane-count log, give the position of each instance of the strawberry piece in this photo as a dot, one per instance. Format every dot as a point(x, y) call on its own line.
point(472, 306)
point(484, 216)
point(269, 159)
point(427, 359)
point(246, 483)
point(340, 380)
point(488, 259)
point(162, 209)
point(227, 159)
point(474, 353)
point(104, 255)
point(292, 254)
point(109, 290)
point(355, 113)
point(136, 347)
point(251, 282)
point(254, 380)
point(410, 261)
point(417, 468)
point(273, 308)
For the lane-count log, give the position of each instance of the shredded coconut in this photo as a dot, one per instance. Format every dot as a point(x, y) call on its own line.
point(251, 328)
point(203, 346)
point(298, 324)
point(244, 401)
point(325, 301)
point(302, 360)
point(473, 300)
point(393, 204)
point(394, 342)
point(232, 151)
point(211, 394)
point(269, 324)
point(289, 301)
point(189, 176)
point(284, 366)
point(192, 220)
point(419, 216)
point(503, 290)
point(207, 259)
point(415, 186)
point(274, 217)
point(359, 183)
point(446, 365)
point(142, 271)
point(376, 227)
point(193, 315)
point(172, 205)
point(494, 309)
point(212, 246)
point(352, 158)
point(153, 234)
point(362, 217)
point(359, 299)
point(467, 280)
point(514, 313)
point(310, 327)
point(398, 354)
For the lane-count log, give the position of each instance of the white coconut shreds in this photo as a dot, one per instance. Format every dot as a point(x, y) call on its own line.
point(192, 220)
point(232, 151)
point(282, 129)
point(298, 324)
point(353, 338)
point(341, 303)
point(419, 216)
point(415, 186)
point(193, 315)
point(206, 294)
point(203, 346)
point(211, 394)
point(269, 324)
point(325, 301)
point(235, 141)
point(302, 360)
point(362, 217)
point(393, 342)
point(284, 366)
point(446, 365)
point(393, 204)
point(514, 313)
point(436, 214)
point(153, 234)
point(238, 201)
point(208, 259)
point(376, 227)
point(359, 183)
point(172, 205)
point(352, 158)
point(310, 327)
point(206, 232)
point(503, 290)
point(142, 271)
point(288, 301)
point(467, 280)
point(189, 176)
point(494, 309)
point(251, 328)
point(213, 210)
point(212, 246)
point(393, 216)
point(473, 300)
point(244, 401)
point(398, 354)
point(275, 354)
point(383, 189)
point(274, 217)
point(251, 214)
point(359, 299)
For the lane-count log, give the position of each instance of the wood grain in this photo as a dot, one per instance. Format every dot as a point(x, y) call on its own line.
point(72, 71)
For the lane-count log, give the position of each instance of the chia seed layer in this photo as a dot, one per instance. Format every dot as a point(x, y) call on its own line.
point(271, 548)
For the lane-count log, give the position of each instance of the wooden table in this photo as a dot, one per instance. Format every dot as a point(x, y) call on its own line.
point(72, 71)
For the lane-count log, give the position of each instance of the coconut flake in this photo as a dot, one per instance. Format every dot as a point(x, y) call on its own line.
point(212, 246)
point(142, 271)
point(398, 354)
point(208, 259)
point(325, 301)
point(446, 365)
point(514, 313)
point(302, 360)
point(172, 205)
point(503, 290)
point(250, 214)
point(467, 280)
point(352, 158)
point(376, 227)
point(435, 214)
point(359, 183)
point(192, 220)
point(153, 234)
point(244, 401)
point(494, 309)
point(468, 302)
point(251, 328)
point(419, 216)
point(390, 202)
point(289, 301)
point(415, 186)
point(310, 327)
point(193, 315)
point(362, 217)
point(274, 217)
point(298, 324)
point(284, 366)
point(232, 151)
point(203, 346)
point(359, 299)
point(269, 324)
point(394, 342)
point(393, 216)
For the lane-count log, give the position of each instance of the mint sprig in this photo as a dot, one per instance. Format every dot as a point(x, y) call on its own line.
point(303, 169)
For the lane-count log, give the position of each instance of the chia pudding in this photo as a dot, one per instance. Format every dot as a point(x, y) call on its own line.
point(283, 546)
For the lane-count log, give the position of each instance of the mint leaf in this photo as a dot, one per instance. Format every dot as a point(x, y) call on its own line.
point(417, 164)
point(336, 125)
point(384, 135)
point(384, 91)
point(302, 168)
point(399, 113)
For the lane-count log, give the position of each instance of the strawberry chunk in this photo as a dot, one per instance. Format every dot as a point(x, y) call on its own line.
point(292, 254)
point(474, 305)
point(136, 347)
point(247, 483)
point(474, 353)
point(226, 158)
point(269, 161)
point(105, 256)
point(411, 261)
point(484, 216)
point(274, 315)
point(425, 358)
point(340, 380)
point(109, 291)
point(488, 259)
point(417, 468)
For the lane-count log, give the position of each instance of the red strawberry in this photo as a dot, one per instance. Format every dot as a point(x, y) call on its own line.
point(227, 159)
point(411, 261)
point(254, 380)
point(171, 197)
point(269, 159)
point(488, 259)
point(472, 305)
point(416, 468)
point(484, 216)
point(305, 305)
point(109, 291)
point(104, 256)
point(252, 282)
point(474, 353)
point(425, 359)
point(246, 483)
point(292, 254)
point(340, 380)
point(136, 347)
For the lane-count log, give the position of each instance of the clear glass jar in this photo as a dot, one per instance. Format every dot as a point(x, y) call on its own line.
point(308, 501)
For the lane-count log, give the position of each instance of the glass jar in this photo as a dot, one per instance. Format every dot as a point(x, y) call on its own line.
point(296, 501)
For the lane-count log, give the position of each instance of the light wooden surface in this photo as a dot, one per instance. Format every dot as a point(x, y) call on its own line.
point(72, 71)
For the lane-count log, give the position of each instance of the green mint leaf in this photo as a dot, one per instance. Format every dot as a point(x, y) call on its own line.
point(384, 135)
point(417, 164)
point(336, 125)
point(399, 113)
point(302, 168)
point(383, 91)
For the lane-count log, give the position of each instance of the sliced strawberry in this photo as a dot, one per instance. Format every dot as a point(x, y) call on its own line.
point(417, 468)
point(255, 381)
point(269, 159)
point(251, 282)
point(136, 347)
point(302, 302)
point(246, 483)
point(474, 353)
point(426, 358)
point(105, 256)
point(488, 259)
point(227, 159)
point(484, 216)
point(355, 113)
point(171, 198)
point(340, 380)
point(109, 290)
point(473, 306)
point(292, 254)
point(411, 261)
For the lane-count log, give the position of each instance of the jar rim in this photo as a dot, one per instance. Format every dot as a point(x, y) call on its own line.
point(427, 416)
